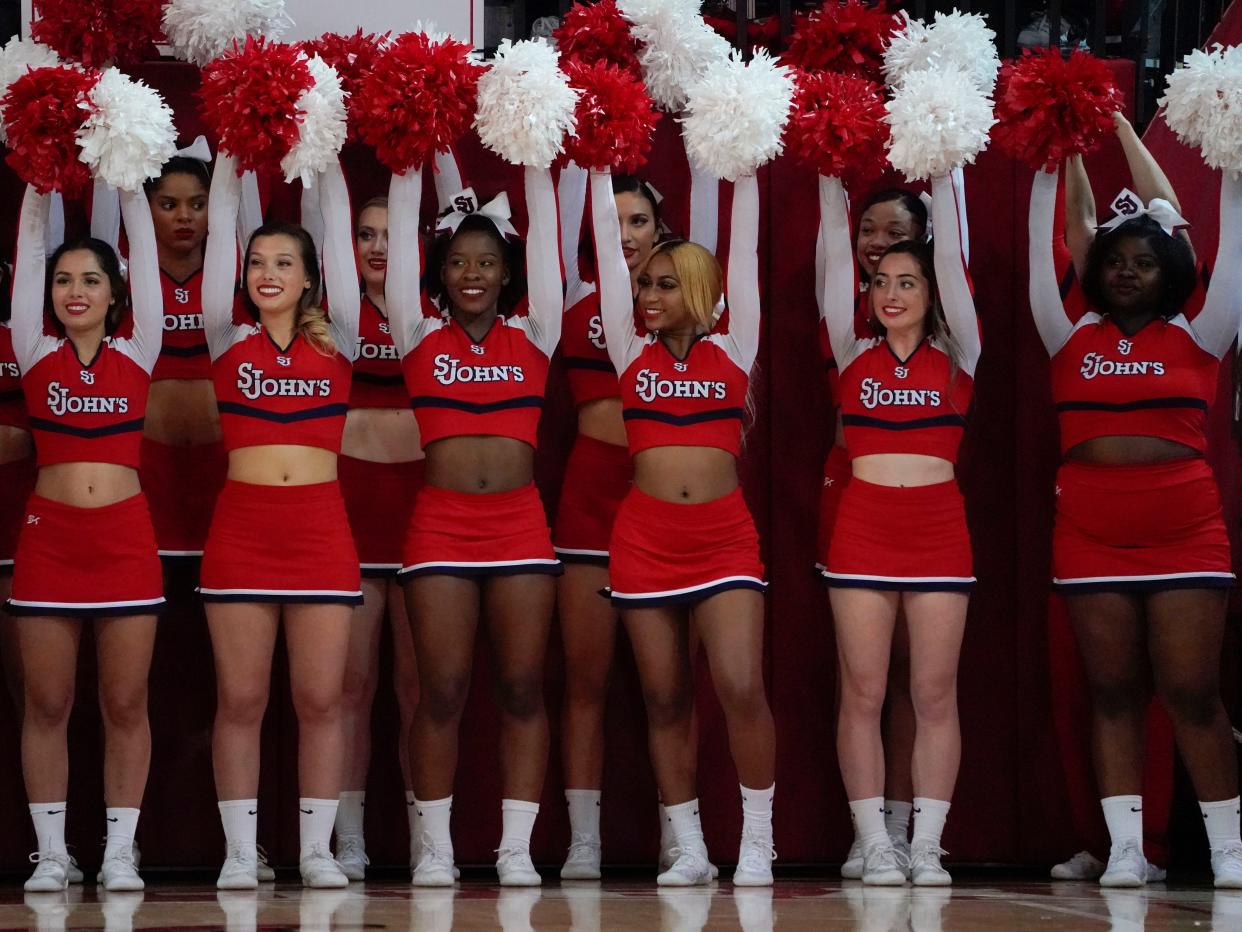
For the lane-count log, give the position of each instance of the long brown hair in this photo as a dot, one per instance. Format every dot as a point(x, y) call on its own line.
point(311, 321)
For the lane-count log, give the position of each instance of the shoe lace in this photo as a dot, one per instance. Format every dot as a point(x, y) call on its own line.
point(438, 855)
point(695, 859)
point(926, 855)
point(582, 844)
point(49, 857)
point(260, 855)
point(886, 857)
point(1232, 851)
point(123, 855)
point(757, 853)
point(1128, 850)
point(318, 850)
point(352, 844)
point(506, 853)
point(243, 853)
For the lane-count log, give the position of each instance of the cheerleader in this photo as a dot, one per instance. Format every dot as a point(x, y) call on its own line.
point(279, 545)
point(87, 547)
point(684, 548)
point(904, 396)
point(478, 536)
point(1132, 380)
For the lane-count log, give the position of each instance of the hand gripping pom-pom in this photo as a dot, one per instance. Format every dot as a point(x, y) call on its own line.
point(352, 56)
point(99, 33)
point(17, 58)
point(129, 133)
point(417, 99)
point(321, 112)
point(615, 118)
point(595, 32)
point(1203, 105)
point(250, 101)
point(843, 37)
point(938, 119)
point(736, 114)
point(202, 30)
point(43, 110)
point(526, 105)
point(676, 47)
point(838, 126)
point(1049, 107)
point(961, 40)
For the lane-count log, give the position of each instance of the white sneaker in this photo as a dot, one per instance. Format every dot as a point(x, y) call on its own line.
point(351, 855)
point(902, 847)
point(925, 869)
point(320, 871)
point(119, 873)
point(240, 870)
point(136, 854)
point(754, 861)
point(883, 866)
point(435, 865)
point(416, 854)
point(516, 868)
point(1127, 867)
point(1082, 866)
point(852, 869)
point(1156, 873)
point(75, 873)
point(264, 872)
point(690, 868)
point(669, 855)
point(51, 873)
point(1227, 867)
point(583, 860)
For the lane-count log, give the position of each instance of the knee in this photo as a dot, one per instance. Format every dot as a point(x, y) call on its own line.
point(934, 699)
point(1192, 705)
point(742, 697)
point(358, 687)
point(47, 708)
point(668, 708)
point(585, 692)
point(242, 704)
point(315, 706)
point(443, 700)
point(1118, 697)
point(124, 709)
point(861, 699)
point(520, 697)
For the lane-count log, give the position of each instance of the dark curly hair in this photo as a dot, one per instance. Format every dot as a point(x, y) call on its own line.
point(513, 252)
point(1177, 264)
point(106, 256)
point(179, 165)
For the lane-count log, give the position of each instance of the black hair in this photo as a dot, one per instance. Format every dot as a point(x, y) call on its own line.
point(1176, 261)
point(908, 199)
point(106, 256)
point(621, 184)
point(179, 165)
point(513, 252)
point(313, 296)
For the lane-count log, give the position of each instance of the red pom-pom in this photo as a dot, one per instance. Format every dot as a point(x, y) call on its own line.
point(846, 37)
point(353, 57)
point(1049, 107)
point(838, 125)
point(43, 110)
point(250, 98)
point(99, 33)
point(615, 117)
point(419, 97)
point(593, 32)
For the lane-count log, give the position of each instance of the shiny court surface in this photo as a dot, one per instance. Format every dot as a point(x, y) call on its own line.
point(798, 904)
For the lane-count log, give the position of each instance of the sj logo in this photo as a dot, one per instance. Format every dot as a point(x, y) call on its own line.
point(595, 333)
point(87, 376)
point(1124, 347)
point(1126, 204)
point(284, 361)
point(681, 367)
point(901, 372)
point(32, 519)
point(465, 203)
point(384, 328)
point(182, 295)
point(476, 349)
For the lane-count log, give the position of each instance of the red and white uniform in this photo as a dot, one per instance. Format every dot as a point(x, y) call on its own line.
point(890, 405)
point(492, 387)
point(16, 477)
point(1140, 527)
point(665, 553)
point(280, 543)
point(86, 562)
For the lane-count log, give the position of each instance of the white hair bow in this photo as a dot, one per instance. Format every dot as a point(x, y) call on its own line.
point(197, 150)
point(466, 203)
point(926, 199)
point(1127, 206)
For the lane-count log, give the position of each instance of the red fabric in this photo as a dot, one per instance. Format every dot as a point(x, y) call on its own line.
point(87, 562)
point(12, 401)
point(597, 479)
point(584, 354)
point(377, 380)
point(837, 473)
point(182, 483)
point(17, 479)
point(379, 498)
point(183, 353)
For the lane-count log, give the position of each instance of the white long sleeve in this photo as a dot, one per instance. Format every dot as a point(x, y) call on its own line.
point(310, 215)
point(29, 280)
point(402, 286)
point(545, 294)
point(836, 283)
point(1051, 321)
point(616, 300)
point(1216, 326)
point(955, 296)
point(250, 212)
point(220, 258)
point(55, 233)
point(571, 191)
point(742, 283)
point(704, 208)
point(145, 294)
point(447, 179)
point(106, 214)
point(340, 269)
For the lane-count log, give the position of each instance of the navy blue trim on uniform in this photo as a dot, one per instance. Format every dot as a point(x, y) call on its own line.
point(15, 394)
point(86, 614)
point(585, 362)
point(583, 559)
point(470, 407)
point(183, 351)
point(830, 363)
point(1145, 404)
point(940, 420)
point(1144, 585)
point(682, 420)
point(308, 414)
point(1067, 281)
point(379, 572)
point(693, 597)
point(478, 572)
point(376, 378)
point(88, 433)
point(896, 585)
point(283, 598)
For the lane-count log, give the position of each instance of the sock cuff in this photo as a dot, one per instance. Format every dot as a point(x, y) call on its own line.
point(871, 802)
point(584, 794)
point(687, 806)
point(1220, 804)
point(409, 797)
point(1121, 800)
point(898, 806)
point(931, 805)
point(308, 801)
point(445, 803)
point(42, 808)
point(226, 804)
point(518, 805)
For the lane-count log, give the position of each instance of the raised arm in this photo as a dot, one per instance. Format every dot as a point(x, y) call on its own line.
point(963, 224)
point(1216, 325)
point(106, 214)
point(742, 282)
point(616, 299)
point(145, 295)
point(1080, 219)
point(250, 215)
point(571, 190)
point(29, 279)
point(54, 234)
point(545, 294)
point(447, 179)
point(402, 286)
point(310, 215)
point(1148, 178)
point(837, 284)
point(1044, 291)
point(955, 296)
point(340, 269)
point(220, 257)
point(704, 208)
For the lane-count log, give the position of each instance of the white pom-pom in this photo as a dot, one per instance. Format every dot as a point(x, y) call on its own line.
point(322, 134)
point(939, 119)
point(736, 114)
point(954, 39)
point(200, 30)
point(18, 57)
point(676, 47)
point(526, 105)
point(129, 133)
point(1203, 105)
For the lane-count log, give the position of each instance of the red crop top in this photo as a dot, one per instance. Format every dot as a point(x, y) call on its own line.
point(184, 351)
point(12, 405)
point(378, 382)
point(585, 352)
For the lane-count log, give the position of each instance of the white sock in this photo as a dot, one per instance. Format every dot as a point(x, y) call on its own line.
point(686, 826)
point(757, 811)
point(1220, 819)
point(854, 827)
point(433, 818)
point(517, 821)
point(584, 808)
point(869, 820)
point(49, 826)
point(315, 819)
point(929, 818)
point(897, 818)
point(122, 823)
point(349, 813)
point(411, 815)
point(240, 818)
point(667, 838)
point(1124, 817)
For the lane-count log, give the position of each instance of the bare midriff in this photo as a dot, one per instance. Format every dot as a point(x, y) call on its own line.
point(182, 413)
point(381, 435)
point(686, 475)
point(479, 464)
point(87, 485)
point(1119, 450)
point(282, 464)
point(902, 470)
point(601, 420)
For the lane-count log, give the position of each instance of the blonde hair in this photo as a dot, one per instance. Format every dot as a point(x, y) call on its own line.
point(699, 276)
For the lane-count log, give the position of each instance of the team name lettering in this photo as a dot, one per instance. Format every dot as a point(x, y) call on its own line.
point(60, 401)
point(652, 385)
point(875, 395)
point(183, 321)
point(10, 370)
point(253, 385)
point(449, 370)
point(376, 350)
point(595, 332)
point(1094, 364)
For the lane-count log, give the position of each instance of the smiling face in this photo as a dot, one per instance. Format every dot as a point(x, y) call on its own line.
point(371, 247)
point(276, 277)
point(882, 225)
point(900, 294)
point(81, 292)
point(474, 272)
point(1131, 277)
point(638, 228)
point(661, 301)
point(179, 213)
